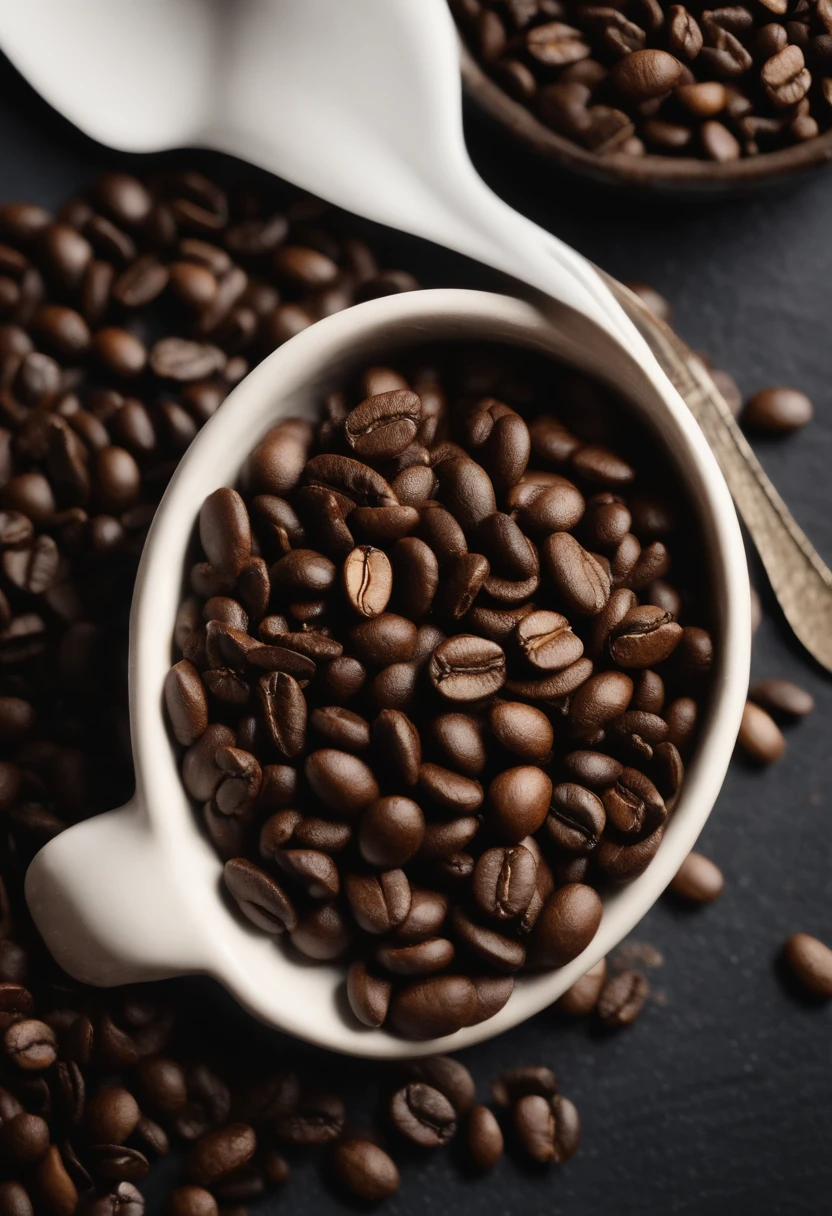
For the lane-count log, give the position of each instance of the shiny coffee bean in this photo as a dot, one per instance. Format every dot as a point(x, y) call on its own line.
point(622, 998)
point(504, 881)
point(698, 880)
point(566, 925)
point(810, 962)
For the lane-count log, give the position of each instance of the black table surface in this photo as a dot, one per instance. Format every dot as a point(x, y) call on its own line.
point(718, 1100)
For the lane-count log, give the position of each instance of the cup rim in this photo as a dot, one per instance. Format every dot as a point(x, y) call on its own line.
point(248, 411)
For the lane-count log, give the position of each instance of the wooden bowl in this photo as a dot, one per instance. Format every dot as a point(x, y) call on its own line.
point(670, 175)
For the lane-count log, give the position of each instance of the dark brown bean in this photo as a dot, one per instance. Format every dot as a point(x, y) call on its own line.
point(483, 1138)
point(434, 1006)
point(518, 802)
point(368, 995)
point(782, 697)
point(391, 831)
point(343, 782)
point(760, 737)
point(810, 962)
point(581, 999)
point(698, 880)
point(504, 881)
point(365, 1170)
point(260, 898)
point(566, 925)
point(579, 578)
point(622, 998)
point(467, 667)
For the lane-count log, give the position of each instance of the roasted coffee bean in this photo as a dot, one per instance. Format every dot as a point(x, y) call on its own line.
point(427, 913)
point(548, 1130)
point(576, 818)
point(423, 1115)
point(760, 737)
point(30, 1045)
point(460, 742)
point(581, 582)
point(600, 699)
point(415, 576)
point(24, 1139)
point(622, 998)
point(225, 532)
point(467, 668)
point(698, 880)
point(342, 781)
point(186, 702)
point(365, 1170)
point(581, 999)
point(398, 744)
point(382, 426)
point(384, 640)
point(316, 1118)
point(483, 1138)
point(462, 578)
point(341, 728)
point(497, 950)
point(593, 769)
point(433, 1006)
point(645, 637)
point(447, 1075)
point(220, 1153)
point(623, 861)
point(379, 902)
point(192, 1201)
point(448, 791)
point(368, 580)
point(15, 1200)
point(441, 532)
point(368, 995)
point(518, 802)
point(322, 934)
point(517, 1083)
point(566, 925)
point(466, 490)
point(546, 641)
point(782, 697)
point(633, 805)
point(522, 730)
point(504, 881)
point(810, 962)
point(259, 897)
point(422, 958)
point(778, 411)
point(391, 831)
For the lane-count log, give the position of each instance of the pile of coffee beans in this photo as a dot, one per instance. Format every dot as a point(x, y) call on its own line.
point(649, 77)
point(434, 689)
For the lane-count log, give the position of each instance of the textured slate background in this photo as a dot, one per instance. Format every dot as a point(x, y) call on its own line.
point(719, 1100)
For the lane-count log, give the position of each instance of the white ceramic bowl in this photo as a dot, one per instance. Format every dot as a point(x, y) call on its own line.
point(135, 894)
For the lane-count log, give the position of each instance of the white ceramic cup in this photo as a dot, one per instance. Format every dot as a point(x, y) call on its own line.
point(135, 894)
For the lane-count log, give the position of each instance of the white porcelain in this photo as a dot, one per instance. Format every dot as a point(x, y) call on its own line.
point(135, 894)
point(357, 101)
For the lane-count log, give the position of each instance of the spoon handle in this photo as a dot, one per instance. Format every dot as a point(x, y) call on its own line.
point(800, 579)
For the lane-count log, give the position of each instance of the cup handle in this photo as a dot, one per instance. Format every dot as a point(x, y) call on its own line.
point(104, 901)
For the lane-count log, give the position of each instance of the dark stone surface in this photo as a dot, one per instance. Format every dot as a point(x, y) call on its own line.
point(719, 1100)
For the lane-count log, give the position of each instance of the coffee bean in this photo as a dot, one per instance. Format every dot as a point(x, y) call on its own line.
point(633, 805)
point(782, 697)
point(459, 740)
point(522, 730)
point(576, 818)
point(463, 577)
point(341, 728)
point(316, 1118)
point(548, 1130)
point(566, 925)
point(581, 999)
point(645, 637)
point(777, 411)
point(698, 880)
point(504, 881)
point(810, 962)
point(391, 831)
point(646, 73)
point(483, 1138)
point(322, 934)
point(467, 667)
point(225, 532)
point(423, 1115)
point(382, 426)
point(433, 1007)
point(546, 641)
point(449, 792)
point(592, 769)
point(192, 1201)
point(441, 532)
point(600, 699)
point(112, 1115)
point(580, 580)
point(14, 1200)
point(447, 1075)
point(260, 898)
point(518, 802)
point(186, 702)
point(760, 737)
point(384, 639)
point(516, 1083)
point(368, 995)
point(622, 998)
point(30, 1045)
point(497, 950)
point(365, 1170)
point(380, 902)
point(623, 861)
point(220, 1153)
point(466, 490)
point(422, 958)
point(368, 580)
point(24, 1139)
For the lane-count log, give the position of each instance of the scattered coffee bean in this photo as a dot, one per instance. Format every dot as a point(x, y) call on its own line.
point(581, 999)
point(760, 737)
point(810, 962)
point(365, 1170)
point(622, 998)
point(698, 880)
point(548, 1130)
point(782, 697)
point(777, 411)
point(483, 1138)
point(423, 1115)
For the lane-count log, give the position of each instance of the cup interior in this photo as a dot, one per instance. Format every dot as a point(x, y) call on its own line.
point(306, 999)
